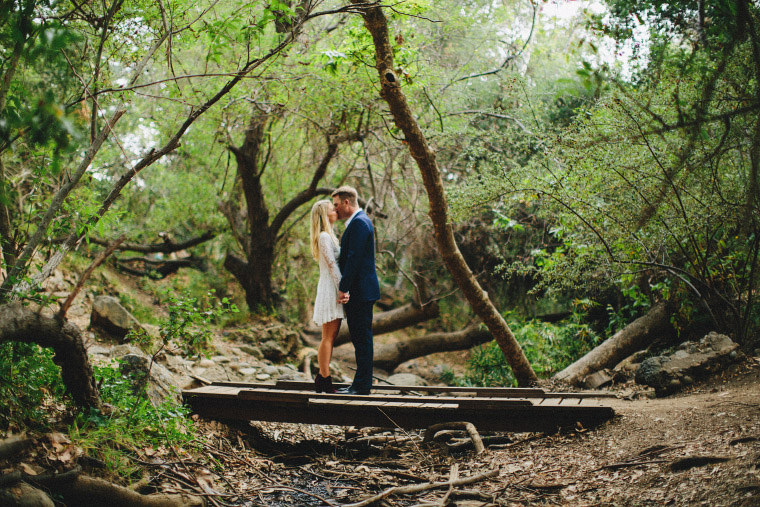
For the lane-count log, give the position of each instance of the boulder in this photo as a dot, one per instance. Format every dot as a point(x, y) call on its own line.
point(161, 385)
point(111, 317)
point(407, 379)
point(273, 351)
point(251, 350)
point(691, 361)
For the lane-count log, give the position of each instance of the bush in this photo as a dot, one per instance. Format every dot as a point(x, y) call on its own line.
point(133, 426)
point(28, 378)
point(548, 347)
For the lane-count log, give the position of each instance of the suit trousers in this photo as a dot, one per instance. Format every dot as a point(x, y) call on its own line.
point(359, 319)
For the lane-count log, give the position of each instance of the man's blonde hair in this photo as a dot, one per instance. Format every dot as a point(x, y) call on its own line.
point(346, 192)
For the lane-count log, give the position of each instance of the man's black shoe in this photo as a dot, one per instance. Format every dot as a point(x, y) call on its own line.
point(351, 390)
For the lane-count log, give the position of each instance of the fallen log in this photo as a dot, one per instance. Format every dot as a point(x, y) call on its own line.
point(635, 336)
point(385, 322)
point(389, 356)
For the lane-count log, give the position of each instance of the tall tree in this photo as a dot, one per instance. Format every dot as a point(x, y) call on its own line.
point(377, 25)
point(256, 235)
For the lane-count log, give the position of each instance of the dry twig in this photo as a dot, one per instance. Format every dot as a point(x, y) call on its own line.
point(418, 488)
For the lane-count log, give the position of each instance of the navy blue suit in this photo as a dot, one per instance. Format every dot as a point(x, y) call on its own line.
point(359, 279)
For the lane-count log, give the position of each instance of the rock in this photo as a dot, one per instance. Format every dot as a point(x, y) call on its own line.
point(153, 331)
point(248, 371)
point(98, 350)
point(273, 351)
point(271, 370)
point(263, 376)
point(161, 385)
point(693, 360)
point(597, 380)
point(407, 379)
point(178, 364)
point(221, 359)
point(111, 317)
point(206, 363)
point(240, 335)
point(294, 376)
point(251, 350)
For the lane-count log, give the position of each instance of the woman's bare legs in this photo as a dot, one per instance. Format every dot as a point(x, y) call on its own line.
point(324, 354)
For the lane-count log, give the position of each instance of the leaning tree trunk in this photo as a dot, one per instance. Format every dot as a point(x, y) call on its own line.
point(21, 324)
point(635, 336)
point(390, 355)
point(377, 25)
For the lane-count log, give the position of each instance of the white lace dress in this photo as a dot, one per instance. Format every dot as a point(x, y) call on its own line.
point(326, 306)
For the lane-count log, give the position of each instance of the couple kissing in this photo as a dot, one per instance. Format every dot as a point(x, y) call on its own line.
point(347, 287)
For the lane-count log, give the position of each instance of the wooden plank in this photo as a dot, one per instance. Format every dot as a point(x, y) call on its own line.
point(384, 404)
point(286, 396)
point(477, 391)
point(520, 392)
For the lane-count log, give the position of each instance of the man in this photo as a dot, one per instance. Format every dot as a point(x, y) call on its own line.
point(358, 288)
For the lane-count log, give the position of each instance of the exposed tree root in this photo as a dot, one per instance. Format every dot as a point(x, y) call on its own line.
point(22, 324)
point(469, 427)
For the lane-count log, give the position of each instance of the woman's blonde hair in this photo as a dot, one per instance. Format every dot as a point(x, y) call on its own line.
point(320, 222)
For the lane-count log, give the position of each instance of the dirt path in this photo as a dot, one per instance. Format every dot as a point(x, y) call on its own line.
point(696, 448)
point(700, 447)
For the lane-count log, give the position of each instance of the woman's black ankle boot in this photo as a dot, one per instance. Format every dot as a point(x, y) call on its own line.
point(323, 384)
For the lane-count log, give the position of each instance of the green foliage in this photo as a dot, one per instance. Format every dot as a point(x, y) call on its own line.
point(29, 381)
point(548, 347)
point(189, 320)
point(143, 313)
point(131, 425)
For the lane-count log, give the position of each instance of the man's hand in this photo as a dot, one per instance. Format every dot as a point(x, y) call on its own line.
point(343, 297)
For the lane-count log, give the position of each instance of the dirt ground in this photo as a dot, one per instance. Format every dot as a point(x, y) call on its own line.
point(698, 447)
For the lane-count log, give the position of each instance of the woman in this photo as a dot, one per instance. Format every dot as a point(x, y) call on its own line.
point(328, 313)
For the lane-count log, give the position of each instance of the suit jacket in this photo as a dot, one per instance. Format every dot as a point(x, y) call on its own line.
point(357, 260)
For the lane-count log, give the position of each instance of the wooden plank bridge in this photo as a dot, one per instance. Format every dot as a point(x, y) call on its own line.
point(489, 409)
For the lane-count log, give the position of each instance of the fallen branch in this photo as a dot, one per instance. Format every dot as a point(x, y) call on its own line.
point(469, 427)
point(167, 246)
point(386, 322)
point(387, 357)
point(626, 464)
point(633, 337)
point(157, 269)
point(418, 488)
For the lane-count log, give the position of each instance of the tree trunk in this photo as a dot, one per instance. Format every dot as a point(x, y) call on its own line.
point(21, 324)
point(376, 23)
point(259, 237)
point(387, 322)
point(389, 356)
point(635, 336)
point(254, 273)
